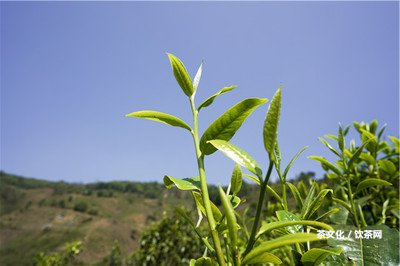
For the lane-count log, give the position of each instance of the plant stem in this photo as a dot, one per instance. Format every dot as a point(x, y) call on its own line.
point(204, 189)
point(353, 207)
point(258, 212)
point(284, 200)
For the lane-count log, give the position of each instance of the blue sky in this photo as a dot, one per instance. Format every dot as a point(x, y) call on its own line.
point(70, 71)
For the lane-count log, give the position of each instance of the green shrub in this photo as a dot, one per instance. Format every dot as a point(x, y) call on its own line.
point(81, 206)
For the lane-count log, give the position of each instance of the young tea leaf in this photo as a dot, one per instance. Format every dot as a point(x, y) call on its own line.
point(387, 166)
point(197, 78)
point(316, 256)
point(292, 161)
point(271, 123)
point(296, 194)
point(225, 127)
point(265, 257)
point(237, 155)
point(236, 180)
point(181, 75)
point(326, 164)
point(160, 117)
point(200, 205)
point(192, 183)
point(211, 99)
point(316, 203)
point(279, 242)
point(371, 182)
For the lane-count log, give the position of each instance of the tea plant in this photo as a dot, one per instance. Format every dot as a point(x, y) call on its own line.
point(241, 246)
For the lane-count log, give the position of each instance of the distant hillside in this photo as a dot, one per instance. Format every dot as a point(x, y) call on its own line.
point(41, 216)
point(38, 215)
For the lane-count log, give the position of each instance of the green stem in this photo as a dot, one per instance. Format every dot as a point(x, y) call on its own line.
point(204, 189)
point(353, 207)
point(258, 212)
point(284, 200)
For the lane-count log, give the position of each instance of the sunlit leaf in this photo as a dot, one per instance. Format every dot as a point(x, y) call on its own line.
point(197, 77)
point(279, 242)
point(225, 127)
point(181, 75)
point(200, 205)
point(192, 183)
point(236, 180)
point(271, 123)
point(316, 203)
point(237, 155)
point(160, 117)
point(296, 194)
point(387, 166)
point(371, 182)
point(292, 161)
point(211, 99)
point(326, 164)
point(329, 146)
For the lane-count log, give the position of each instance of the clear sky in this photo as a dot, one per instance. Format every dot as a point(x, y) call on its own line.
point(70, 71)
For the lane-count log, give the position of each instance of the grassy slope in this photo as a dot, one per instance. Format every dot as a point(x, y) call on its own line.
point(29, 224)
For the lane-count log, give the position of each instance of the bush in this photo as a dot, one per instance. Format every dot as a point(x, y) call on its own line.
point(171, 241)
point(81, 206)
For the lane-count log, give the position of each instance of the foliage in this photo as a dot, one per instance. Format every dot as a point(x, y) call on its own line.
point(170, 241)
point(61, 258)
point(363, 182)
point(81, 206)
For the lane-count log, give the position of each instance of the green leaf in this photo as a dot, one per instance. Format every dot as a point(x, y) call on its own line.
point(326, 164)
point(329, 146)
point(160, 117)
point(296, 194)
point(200, 205)
point(279, 242)
point(284, 215)
point(367, 157)
point(369, 251)
point(236, 180)
point(267, 227)
point(292, 161)
point(332, 137)
point(315, 256)
point(271, 123)
point(316, 203)
point(230, 217)
point(225, 127)
point(265, 257)
point(197, 77)
point(181, 75)
point(358, 152)
point(203, 261)
point(237, 155)
point(327, 214)
point(341, 138)
point(253, 178)
point(396, 143)
point(192, 183)
point(387, 166)
point(234, 200)
point(211, 99)
point(371, 182)
point(309, 199)
point(343, 203)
